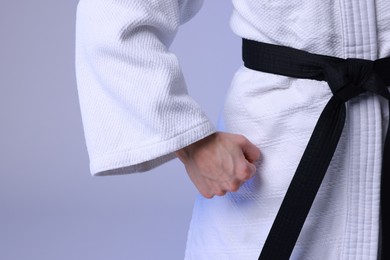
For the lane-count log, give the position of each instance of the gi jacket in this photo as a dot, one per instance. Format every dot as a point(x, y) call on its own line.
point(136, 112)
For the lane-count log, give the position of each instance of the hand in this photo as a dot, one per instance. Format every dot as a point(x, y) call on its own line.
point(219, 163)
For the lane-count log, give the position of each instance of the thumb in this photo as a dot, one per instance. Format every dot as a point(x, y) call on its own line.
point(251, 151)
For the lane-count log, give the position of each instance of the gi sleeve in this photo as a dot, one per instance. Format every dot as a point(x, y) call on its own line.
point(135, 108)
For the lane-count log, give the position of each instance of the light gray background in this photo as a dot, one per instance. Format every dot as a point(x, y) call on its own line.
point(50, 206)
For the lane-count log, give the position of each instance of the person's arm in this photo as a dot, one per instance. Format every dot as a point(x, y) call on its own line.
point(135, 107)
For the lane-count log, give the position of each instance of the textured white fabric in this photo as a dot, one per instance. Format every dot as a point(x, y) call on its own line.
point(278, 114)
point(136, 112)
point(134, 102)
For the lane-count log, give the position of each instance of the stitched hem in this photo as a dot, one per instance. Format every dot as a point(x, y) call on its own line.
point(147, 158)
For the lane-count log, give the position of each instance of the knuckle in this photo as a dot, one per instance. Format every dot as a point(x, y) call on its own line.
point(220, 193)
point(233, 187)
point(208, 195)
point(242, 139)
point(244, 172)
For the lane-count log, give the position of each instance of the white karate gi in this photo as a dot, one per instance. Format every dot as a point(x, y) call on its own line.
point(136, 113)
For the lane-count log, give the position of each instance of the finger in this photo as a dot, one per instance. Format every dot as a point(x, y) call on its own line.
point(249, 172)
point(251, 151)
point(221, 193)
point(207, 195)
point(252, 169)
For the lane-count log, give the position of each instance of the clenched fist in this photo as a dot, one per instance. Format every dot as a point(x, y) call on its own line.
point(219, 163)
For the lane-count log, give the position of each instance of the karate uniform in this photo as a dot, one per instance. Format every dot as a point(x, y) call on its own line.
point(136, 113)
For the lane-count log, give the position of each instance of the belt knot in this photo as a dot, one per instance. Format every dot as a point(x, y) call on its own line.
point(348, 77)
point(351, 77)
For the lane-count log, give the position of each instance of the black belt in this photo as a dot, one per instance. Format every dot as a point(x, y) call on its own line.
point(347, 78)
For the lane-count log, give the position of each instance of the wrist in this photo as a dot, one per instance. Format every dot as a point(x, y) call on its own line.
point(185, 152)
